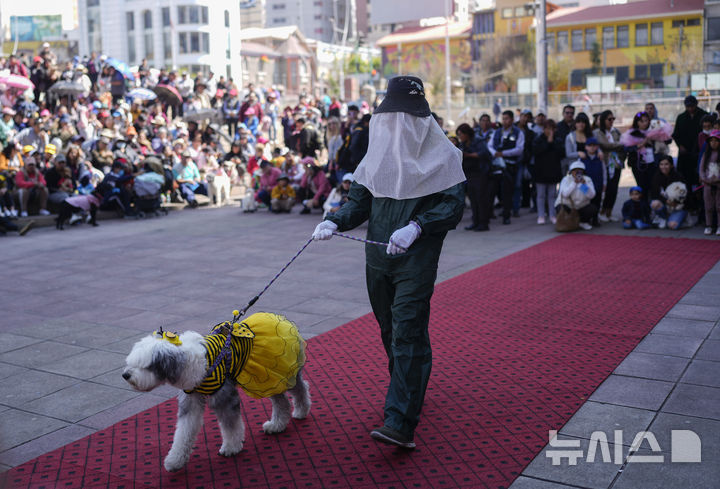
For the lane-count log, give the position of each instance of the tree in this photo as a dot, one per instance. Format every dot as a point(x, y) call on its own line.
point(558, 72)
point(596, 58)
point(515, 69)
point(687, 56)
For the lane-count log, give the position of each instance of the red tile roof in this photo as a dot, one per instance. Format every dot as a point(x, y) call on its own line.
point(627, 11)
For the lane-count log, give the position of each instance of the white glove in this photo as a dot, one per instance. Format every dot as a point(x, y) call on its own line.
point(402, 238)
point(324, 230)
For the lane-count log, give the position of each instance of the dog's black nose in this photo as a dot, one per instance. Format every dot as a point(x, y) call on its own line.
point(126, 375)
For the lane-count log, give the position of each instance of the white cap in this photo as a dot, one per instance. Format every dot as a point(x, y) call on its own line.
point(577, 164)
point(348, 177)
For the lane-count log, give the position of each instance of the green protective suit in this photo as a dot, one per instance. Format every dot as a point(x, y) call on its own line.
point(400, 286)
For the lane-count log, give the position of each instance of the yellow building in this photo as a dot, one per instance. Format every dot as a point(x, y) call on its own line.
point(638, 40)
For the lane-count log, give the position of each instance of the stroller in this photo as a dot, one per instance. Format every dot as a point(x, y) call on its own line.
point(148, 187)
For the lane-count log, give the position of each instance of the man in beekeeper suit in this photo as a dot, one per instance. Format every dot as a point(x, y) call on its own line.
point(409, 189)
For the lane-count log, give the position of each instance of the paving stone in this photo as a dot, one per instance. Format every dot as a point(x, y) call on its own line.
point(596, 416)
point(86, 365)
point(632, 392)
point(19, 427)
point(694, 400)
point(669, 475)
point(6, 370)
point(669, 345)
point(79, 401)
point(691, 311)
point(702, 297)
point(523, 482)
point(652, 366)
point(54, 328)
point(21, 388)
point(97, 336)
point(715, 333)
point(9, 342)
point(710, 350)
point(702, 372)
point(44, 444)
point(585, 474)
point(121, 411)
point(42, 353)
point(683, 327)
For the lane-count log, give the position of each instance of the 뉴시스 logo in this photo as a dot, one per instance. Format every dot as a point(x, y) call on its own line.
point(685, 447)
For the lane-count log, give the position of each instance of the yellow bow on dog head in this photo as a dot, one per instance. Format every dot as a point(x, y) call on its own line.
point(168, 336)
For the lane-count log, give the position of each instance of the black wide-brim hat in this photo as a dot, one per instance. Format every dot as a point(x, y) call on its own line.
point(405, 94)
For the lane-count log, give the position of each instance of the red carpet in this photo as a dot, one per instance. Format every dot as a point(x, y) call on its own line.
point(519, 344)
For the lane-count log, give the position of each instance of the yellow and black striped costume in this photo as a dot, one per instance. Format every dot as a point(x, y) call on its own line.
point(267, 353)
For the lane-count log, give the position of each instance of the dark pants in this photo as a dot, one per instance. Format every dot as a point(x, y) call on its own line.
point(401, 304)
point(232, 123)
point(480, 194)
point(595, 202)
point(612, 190)
point(264, 197)
point(509, 179)
point(644, 174)
point(189, 194)
point(587, 213)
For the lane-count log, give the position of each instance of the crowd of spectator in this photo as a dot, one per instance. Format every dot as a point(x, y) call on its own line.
point(91, 135)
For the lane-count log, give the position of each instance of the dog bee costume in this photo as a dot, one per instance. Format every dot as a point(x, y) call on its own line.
point(264, 355)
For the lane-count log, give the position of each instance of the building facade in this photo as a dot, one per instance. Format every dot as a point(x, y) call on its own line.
point(711, 39)
point(194, 35)
point(637, 41)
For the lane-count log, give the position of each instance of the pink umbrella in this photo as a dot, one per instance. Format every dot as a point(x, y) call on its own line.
point(17, 81)
point(168, 93)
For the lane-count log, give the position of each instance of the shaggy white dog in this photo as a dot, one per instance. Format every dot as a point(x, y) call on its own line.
point(218, 188)
point(676, 193)
point(182, 361)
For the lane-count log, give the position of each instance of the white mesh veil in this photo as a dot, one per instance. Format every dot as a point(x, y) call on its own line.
point(408, 157)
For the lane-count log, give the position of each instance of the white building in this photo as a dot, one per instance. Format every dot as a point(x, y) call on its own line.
point(324, 20)
point(253, 13)
point(196, 35)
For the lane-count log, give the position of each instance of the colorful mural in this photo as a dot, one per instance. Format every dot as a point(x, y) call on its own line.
point(426, 57)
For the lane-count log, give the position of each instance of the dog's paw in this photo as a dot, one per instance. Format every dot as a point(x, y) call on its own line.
point(173, 463)
point(301, 412)
point(270, 427)
point(229, 451)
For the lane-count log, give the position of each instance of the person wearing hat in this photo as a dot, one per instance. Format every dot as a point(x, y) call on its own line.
point(231, 111)
point(314, 186)
point(283, 195)
point(409, 187)
point(60, 182)
point(34, 135)
point(636, 211)
point(339, 195)
point(31, 186)
point(597, 171)
point(687, 127)
point(7, 125)
point(576, 192)
point(187, 176)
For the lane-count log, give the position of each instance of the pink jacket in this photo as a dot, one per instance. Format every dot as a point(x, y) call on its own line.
point(269, 180)
point(83, 201)
point(319, 181)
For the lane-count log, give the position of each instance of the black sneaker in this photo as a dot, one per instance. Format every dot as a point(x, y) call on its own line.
point(305, 211)
point(392, 437)
point(482, 227)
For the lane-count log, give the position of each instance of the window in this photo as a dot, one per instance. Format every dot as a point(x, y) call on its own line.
point(622, 74)
point(280, 20)
point(656, 33)
point(166, 16)
point(641, 72)
point(194, 42)
point(623, 36)
point(551, 42)
point(519, 11)
point(608, 37)
point(278, 6)
point(692, 22)
point(590, 38)
point(183, 43)
point(149, 48)
point(576, 40)
point(93, 3)
point(641, 35)
point(205, 42)
point(130, 28)
point(677, 23)
point(562, 41)
point(193, 15)
point(204, 15)
point(318, 16)
point(167, 44)
point(147, 19)
point(182, 15)
point(713, 29)
point(507, 13)
point(227, 18)
point(656, 73)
